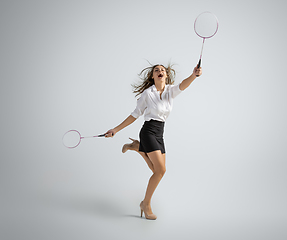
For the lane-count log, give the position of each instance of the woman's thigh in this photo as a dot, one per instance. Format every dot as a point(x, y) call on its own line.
point(158, 160)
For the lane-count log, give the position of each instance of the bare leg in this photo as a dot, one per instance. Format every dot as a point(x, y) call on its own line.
point(148, 161)
point(134, 146)
point(158, 161)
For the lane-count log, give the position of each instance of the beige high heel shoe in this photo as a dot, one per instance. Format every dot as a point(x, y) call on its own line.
point(131, 146)
point(151, 216)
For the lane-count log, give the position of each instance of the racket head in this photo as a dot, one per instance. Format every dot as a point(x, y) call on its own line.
point(206, 25)
point(72, 139)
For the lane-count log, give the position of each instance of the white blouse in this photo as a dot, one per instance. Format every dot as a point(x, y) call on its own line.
point(152, 106)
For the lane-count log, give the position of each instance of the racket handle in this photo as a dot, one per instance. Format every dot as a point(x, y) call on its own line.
point(199, 63)
point(103, 135)
point(198, 66)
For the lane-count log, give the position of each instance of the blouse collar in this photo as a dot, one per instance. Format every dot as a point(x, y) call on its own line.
point(153, 88)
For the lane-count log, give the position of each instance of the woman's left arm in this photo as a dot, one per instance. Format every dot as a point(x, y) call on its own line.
point(186, 82)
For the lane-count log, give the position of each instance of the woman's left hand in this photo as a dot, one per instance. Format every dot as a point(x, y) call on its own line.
point(197, 71)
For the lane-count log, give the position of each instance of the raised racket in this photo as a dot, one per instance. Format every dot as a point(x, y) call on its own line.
point(205, 26)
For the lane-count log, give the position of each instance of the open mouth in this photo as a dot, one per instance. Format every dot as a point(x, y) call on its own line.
point(160, 75)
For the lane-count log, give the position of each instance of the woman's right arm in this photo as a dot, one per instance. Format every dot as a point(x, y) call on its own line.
point(129, 120)
point(141, 106)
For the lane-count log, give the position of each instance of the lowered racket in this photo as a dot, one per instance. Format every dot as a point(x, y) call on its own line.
point(72, 138)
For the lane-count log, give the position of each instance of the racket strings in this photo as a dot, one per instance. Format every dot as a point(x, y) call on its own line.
point(206, 25)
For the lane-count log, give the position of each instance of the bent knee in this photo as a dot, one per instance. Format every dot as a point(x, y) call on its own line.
point(161, 171)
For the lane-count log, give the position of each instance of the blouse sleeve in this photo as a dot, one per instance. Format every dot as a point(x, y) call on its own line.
point(141, 106)
point(175, 90)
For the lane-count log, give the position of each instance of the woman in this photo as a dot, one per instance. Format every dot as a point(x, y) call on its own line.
point(155, 102)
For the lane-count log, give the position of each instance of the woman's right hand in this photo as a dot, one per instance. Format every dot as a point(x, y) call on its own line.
point(110, 133)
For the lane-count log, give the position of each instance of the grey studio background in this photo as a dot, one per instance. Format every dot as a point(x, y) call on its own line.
point(70, 65)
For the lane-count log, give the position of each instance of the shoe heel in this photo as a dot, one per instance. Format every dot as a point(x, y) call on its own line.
point(141, 213)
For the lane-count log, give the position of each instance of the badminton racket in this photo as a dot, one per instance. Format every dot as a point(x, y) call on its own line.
point(205, 26)
point(72, 138)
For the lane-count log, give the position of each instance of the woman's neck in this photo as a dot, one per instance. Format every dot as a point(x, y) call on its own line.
point(160, 86)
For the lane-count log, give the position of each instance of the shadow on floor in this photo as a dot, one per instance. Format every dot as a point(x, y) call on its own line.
point(92, 206)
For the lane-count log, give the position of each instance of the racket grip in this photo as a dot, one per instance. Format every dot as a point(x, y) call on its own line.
point(103, 135)
point(198, 65)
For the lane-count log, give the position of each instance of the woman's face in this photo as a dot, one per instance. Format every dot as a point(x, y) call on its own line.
point(159, 73)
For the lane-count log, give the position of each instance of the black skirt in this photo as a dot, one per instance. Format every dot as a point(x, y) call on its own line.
point(151, 137)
